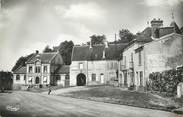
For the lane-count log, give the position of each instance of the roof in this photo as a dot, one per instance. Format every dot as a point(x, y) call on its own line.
point(176, 27)
point(43, 57)
point(165, 31)
point(63, 70)
point(21, 70)
point(82, 53)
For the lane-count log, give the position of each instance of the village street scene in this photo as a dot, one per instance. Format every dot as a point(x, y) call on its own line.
point(91, 58)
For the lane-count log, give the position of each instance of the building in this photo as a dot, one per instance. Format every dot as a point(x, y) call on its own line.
point(154, 50)
point(42, 69)
point(97, 64)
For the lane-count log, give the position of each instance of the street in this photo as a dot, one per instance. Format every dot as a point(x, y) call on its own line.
point(35, 104)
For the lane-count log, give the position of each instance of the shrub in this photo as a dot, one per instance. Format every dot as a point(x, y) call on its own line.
point(166, 81)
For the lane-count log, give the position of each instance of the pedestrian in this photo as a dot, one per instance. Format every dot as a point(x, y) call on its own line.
point(49, 90)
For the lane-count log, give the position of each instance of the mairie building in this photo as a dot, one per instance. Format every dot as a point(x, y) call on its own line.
point(42, 69)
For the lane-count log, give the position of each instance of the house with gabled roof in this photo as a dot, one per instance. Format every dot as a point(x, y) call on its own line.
point(150, 52)
point(42, 69)
point(97, 64)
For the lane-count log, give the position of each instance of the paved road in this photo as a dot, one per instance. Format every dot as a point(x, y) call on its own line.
point(34, 104)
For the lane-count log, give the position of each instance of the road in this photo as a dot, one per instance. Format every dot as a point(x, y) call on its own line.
point(39, 105)
point(67, 90)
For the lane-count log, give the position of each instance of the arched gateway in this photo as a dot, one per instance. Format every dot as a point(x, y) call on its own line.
point(81, 79)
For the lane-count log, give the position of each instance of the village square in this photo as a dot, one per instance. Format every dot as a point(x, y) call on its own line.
point(125, 74)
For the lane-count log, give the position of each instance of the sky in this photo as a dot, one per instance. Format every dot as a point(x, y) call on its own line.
point(29, 25)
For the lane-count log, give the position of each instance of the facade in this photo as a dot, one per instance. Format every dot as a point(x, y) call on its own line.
point(153, 50)
point(163, 54)
point(93, 65)
point(42, 69)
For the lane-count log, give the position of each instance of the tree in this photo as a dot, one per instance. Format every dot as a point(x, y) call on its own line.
point(21, 62)
point(125, 36)
point(65, 49)
point(6, 80)
point(181, 30)
point(47, 49)
point(97, 39)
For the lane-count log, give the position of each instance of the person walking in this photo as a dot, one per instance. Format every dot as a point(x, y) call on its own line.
point(49, 90)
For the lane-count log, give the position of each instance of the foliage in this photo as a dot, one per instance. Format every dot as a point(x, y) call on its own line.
point(65, 50)
point(181, 30)
point(166, 81)
point(6, 80)
point(21, 62)
point(125, 36)
point(97, 39)
point(47, 49)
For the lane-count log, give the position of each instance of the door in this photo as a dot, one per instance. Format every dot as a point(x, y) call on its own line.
point(81, 79)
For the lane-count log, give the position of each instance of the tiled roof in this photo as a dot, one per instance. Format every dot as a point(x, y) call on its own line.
point(144, 36)
point(81, 53)
point(21, 70)
point(63, 70)
point(165, 31)
point(44, 57)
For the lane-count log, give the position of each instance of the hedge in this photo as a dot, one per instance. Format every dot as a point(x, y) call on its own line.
point(166, 81)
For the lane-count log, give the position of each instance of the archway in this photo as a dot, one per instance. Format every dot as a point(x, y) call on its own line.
point(37, 80)
point(81, 79)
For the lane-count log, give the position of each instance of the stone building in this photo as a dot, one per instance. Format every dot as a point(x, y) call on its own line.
point(97, 64)
point(42, 69)
point(154, 49)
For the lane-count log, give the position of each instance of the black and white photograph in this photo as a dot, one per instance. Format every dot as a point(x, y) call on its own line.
point(91, 58)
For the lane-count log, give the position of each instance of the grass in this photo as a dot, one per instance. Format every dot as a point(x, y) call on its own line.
point(119, 96)
point(39, 90)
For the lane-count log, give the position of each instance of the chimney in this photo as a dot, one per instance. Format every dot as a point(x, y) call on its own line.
point(37, 52)
point(155, 25)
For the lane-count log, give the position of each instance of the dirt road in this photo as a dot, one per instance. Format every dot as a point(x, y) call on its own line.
point(39, 105)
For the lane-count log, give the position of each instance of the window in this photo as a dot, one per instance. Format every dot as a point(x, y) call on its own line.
point(17, 77)
point(140, 58)
point(102, 78)
point(131, 57)
point(67, 77)
point(45, 79)
point(30, 80)
point(80, 66)
point(45, 69)
point(30, 69)
point(125, 61)
point(141, 78)
point(38, 69)
point(24, 77)
point(93, 77)
point(58, 77)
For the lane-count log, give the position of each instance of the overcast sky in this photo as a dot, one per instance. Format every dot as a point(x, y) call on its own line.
point(29, 25)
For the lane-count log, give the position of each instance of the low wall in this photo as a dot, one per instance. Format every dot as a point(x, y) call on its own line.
point(180, 90)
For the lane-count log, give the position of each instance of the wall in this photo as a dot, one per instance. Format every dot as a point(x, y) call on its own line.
point(106, 67)
point(160, 53)
point(41, 75)
point(21, 81)
point(129, 64)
